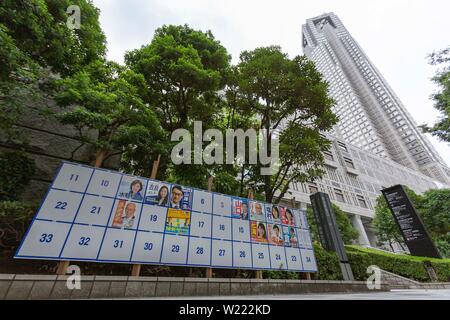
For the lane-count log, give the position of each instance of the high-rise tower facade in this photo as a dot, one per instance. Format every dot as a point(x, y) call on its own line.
point(371, 116)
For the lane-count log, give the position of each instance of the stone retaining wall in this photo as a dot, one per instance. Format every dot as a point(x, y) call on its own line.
point(98, 287)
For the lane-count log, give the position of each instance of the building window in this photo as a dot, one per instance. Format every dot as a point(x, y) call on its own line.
point(349, 163)
point(361, 201)
point(342, 146)
point(328, 155)
point(339, 195)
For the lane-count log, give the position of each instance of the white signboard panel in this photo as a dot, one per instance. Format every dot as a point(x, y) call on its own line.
point(92, 214)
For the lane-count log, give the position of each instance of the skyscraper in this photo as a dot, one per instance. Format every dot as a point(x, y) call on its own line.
point(375, 144)
point(371, 116)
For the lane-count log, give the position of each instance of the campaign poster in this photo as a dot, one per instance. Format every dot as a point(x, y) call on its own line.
point(132, 188)
point(125, 215)
point(290, 237)
point(275, 214)
point(178, 221)
point(275, 234)
point(157, 193)
point(256, 210)
point(240, 208)
point(180, 197)
point(259, 232)
point(287, 217)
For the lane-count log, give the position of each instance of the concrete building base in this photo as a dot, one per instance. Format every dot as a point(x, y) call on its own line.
point(103, 287)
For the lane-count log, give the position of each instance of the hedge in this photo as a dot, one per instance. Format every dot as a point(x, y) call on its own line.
point(411, 267)
point(360, 258)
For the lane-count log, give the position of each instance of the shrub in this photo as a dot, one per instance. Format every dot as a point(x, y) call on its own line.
point(328, 264)
point(15, 217)
point(407, 266)
point(15, 172)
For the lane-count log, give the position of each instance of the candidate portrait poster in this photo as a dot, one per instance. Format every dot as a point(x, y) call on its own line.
point(256, 210)
point(287, 217)
point(290, 237)
point(240, 208)
point(274, 214)
point(180, 197)
point(157, 193)
point(275, 234)
point(132, 188)
point(125, 214)
point(259, 232)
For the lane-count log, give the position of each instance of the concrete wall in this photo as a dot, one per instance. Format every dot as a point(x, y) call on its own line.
point(48, 142)
point(98, 287)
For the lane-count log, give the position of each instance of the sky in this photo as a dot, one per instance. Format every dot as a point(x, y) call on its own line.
point(397, 35)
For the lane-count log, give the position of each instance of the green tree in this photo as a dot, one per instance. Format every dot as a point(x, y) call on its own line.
point(347, 230)
point(184, 69)
point(39, 30)
point(289, 96)
point(435, 214)
point(441, 99)
point(108, 112)
point(36, 46)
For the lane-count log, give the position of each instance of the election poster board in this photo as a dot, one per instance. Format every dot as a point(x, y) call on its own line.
point(98, 215)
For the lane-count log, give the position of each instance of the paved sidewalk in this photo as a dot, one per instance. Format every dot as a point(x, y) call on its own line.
point(418, 294)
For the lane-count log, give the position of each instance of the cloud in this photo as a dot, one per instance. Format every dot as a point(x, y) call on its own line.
point(396, 35)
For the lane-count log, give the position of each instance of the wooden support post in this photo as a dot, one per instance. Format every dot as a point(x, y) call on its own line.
point(62, 267)
point(209, 271)
point(136, 269)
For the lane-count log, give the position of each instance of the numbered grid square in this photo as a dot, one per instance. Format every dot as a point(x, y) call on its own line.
point(222, 205)
point(147, 247)
point(304, 220)
point(221, 255)
point(221, 228)
point(117, 245)
point(60, 206)
point(94, 210)
point(242, 255)
point(257, 211)
point(277, 258)
point(200, 224)
point(261, 258)
point(153, 218)
point(104, 183)
point(304, 239)
point(45, 239)
point(125, 214)
point(83, 242)
point(241, 230)
point(202, 201)
point(132, 188)
point(199, 251)
point(297, 217)
point(293, 258)
point(175, 249)
point(308, 260)
point(73, 178)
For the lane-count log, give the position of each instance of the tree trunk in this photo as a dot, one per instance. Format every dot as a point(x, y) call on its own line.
point(99, 158)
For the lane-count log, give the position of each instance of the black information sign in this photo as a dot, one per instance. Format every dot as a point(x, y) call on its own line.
point(411, 226)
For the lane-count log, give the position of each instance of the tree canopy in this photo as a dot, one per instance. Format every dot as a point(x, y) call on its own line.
point(441, 98)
